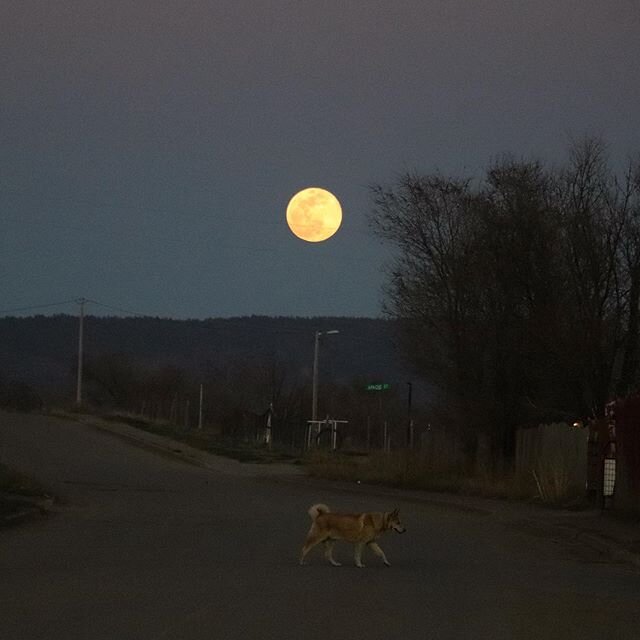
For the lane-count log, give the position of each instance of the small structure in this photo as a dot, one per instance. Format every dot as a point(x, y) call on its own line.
point(265, 435)
point(324, 430)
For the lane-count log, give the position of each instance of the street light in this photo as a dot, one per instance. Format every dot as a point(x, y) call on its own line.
point(314, 401)
point(81, 302)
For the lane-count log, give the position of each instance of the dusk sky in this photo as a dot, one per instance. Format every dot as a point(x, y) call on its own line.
point(149, 149)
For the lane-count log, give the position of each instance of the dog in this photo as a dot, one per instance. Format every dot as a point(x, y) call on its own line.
point(360, 528)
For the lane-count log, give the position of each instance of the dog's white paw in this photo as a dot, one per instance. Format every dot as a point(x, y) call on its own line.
point(360, 565)
point(336, 564)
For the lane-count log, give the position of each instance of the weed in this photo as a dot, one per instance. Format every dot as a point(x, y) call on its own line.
point(411, 470)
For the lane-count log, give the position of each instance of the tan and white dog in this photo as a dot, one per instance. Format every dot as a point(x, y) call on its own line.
point(359, 528)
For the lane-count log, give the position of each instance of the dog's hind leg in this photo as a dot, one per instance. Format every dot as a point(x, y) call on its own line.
point(358, 555)
point(309, 543)
point(379, 552)
point(328, 553)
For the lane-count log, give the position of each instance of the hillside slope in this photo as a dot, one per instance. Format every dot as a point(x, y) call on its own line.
point(42, 350)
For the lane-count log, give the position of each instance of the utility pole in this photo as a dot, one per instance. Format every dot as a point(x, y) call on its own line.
point(200, 410)
point(409, 418)
point(81, 302)
point(314, 385)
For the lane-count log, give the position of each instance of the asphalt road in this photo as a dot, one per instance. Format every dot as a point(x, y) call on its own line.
point(147, 546)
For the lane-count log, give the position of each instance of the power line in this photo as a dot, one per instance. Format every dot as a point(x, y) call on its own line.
point(74, 301)
point(38, 306)
point(119, 309)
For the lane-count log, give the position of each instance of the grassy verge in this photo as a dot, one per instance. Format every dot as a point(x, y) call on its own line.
point(411, 470)
point(207, 441)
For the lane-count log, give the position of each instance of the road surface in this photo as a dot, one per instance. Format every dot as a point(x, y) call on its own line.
point(147, 546)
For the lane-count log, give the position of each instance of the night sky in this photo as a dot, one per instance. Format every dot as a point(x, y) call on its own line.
point(149, 149)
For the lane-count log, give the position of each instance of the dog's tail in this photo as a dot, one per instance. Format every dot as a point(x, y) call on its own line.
point(317, 509)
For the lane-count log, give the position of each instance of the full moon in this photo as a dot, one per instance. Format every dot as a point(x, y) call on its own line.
point(314, 214)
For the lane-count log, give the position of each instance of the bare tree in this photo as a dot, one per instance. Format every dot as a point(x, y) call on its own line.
point(593, 227)
point(520, 289)
point(431, 221)
point(629, 285)
point(518, 295)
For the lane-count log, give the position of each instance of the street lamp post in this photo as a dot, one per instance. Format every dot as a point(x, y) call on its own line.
point(314, 391)
point(81, 302)
point(409, 418)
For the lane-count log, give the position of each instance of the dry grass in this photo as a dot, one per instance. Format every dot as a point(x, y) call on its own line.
point(411, 470)
point(551, 461)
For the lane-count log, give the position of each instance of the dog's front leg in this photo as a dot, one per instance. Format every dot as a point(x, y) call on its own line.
point(379, 552)
point(358, 555)
point(328, 553)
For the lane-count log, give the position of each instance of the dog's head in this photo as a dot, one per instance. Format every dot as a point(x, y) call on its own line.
point(393, 521)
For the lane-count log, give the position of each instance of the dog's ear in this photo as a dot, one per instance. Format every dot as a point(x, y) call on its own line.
point(395, 512)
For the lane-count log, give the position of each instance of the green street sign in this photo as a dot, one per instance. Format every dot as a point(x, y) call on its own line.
point(378, 386)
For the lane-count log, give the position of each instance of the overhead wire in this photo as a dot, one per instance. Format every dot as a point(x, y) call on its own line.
point(38, 306)
point(76, 300)
point(120, 309)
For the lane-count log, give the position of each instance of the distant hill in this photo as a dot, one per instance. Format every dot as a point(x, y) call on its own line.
point(42, 350)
